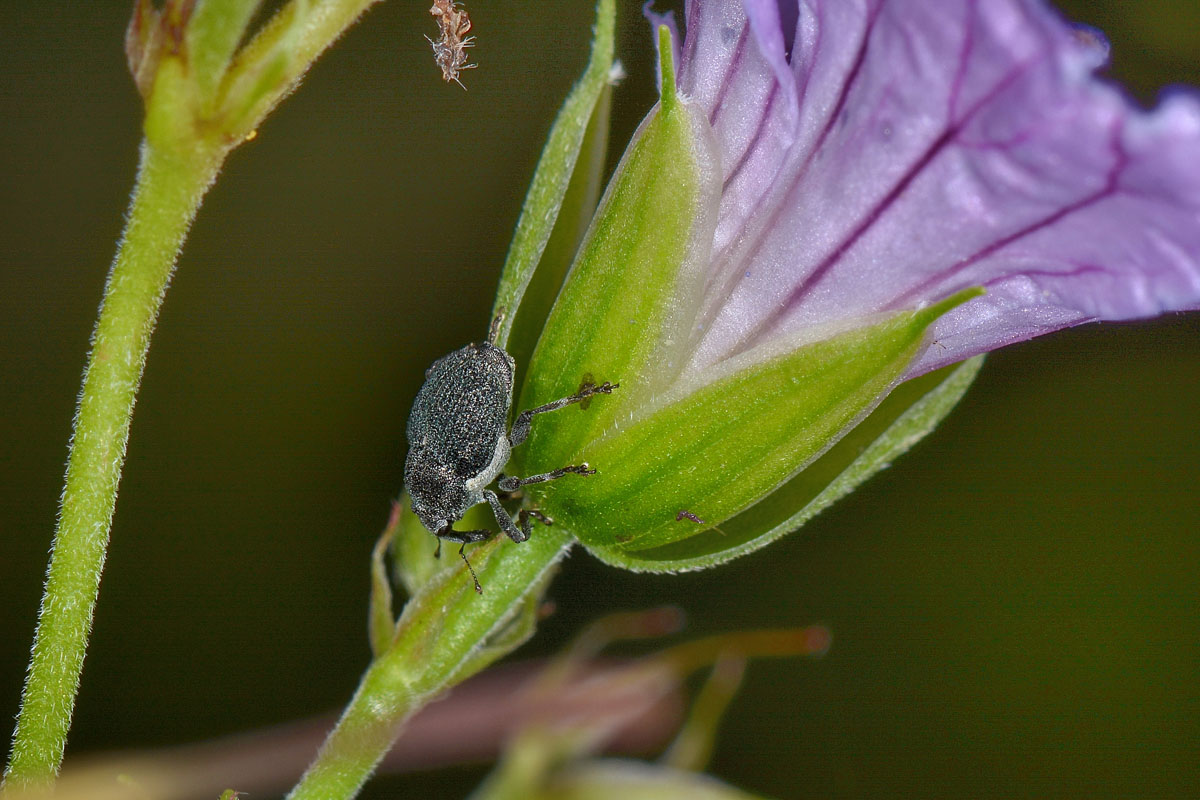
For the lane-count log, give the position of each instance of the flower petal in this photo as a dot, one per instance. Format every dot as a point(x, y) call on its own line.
point(734, 66)
point(932, 147)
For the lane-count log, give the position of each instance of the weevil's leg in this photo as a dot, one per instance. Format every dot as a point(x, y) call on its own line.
point(470, 569)
point(511, 484)
point(517, 534)
point(525, 514)
point(494, 330)
point(520, 428)
point(539, 516)
point(464, 538)
point(460, 537)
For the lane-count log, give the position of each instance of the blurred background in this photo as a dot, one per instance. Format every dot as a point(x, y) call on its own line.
point(1013, 604)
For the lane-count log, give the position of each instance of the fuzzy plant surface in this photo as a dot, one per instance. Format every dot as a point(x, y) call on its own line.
point(836, 209)
point(207, 81)
point(793, 275)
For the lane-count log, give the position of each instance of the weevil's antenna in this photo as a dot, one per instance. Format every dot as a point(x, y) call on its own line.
point(494, 331)
point(474, 577)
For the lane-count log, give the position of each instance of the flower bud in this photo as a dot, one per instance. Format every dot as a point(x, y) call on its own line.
point(677, 453)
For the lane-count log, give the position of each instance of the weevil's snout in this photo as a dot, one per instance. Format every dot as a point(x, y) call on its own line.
point(429, 517)
point(432, 513)
point(438, 497)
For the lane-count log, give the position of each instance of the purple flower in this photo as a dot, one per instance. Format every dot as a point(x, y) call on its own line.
point(883, 155)
point(835, 196)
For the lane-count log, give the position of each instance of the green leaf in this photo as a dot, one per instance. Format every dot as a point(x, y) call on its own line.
point(633, 290)
point(213, 33)
point(717, 450)
point(554, 170)
point(907, 415)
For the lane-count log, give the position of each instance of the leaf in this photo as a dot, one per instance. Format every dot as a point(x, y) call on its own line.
point(513, 633)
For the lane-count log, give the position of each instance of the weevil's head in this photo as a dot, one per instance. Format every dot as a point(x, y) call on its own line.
point(439, 496)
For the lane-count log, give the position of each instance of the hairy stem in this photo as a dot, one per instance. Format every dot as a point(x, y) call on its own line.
point(441, 628)
point(189, 131)
point(168, 192)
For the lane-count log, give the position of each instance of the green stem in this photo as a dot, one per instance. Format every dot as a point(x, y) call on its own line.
point(187, 138)
point(169, 190)
point(436, 636)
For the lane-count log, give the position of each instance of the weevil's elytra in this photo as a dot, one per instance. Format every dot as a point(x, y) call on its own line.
point(458, 442)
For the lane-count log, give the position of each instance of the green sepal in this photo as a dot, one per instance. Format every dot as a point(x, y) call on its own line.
point(624, 312)
point(907, 415)
point(253, 79)
point(381, 618)
point(213, 33)
point(554, 172)
point(578, 206)
point(715, 450)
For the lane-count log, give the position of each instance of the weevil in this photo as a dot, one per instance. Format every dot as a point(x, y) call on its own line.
point(459, 441)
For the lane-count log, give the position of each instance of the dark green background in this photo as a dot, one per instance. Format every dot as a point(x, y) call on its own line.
point(1014, 604)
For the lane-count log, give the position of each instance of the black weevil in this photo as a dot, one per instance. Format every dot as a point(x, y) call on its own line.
point(458, 442)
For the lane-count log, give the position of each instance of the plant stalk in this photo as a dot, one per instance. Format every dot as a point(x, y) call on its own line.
point(168, 192)
point(441, 628)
